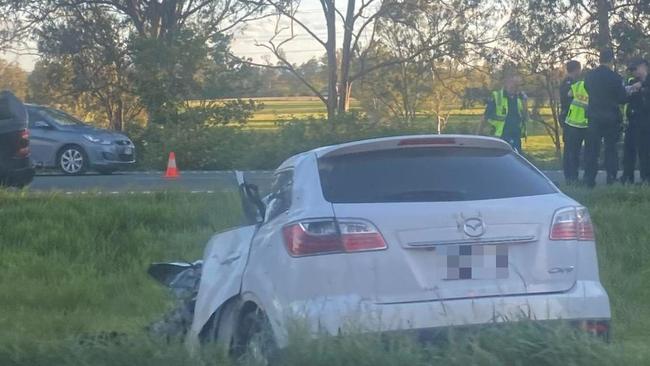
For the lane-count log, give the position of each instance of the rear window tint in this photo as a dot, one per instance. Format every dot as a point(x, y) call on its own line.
point(429, 175)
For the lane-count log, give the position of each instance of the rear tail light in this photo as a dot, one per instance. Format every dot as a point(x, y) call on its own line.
point(572, 223)
point(326, 236)
point(23, 144)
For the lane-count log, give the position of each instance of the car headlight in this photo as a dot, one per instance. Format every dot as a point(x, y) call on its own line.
point(97, 140)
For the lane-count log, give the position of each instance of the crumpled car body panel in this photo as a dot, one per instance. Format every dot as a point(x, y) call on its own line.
point(182, 279)
point(224, 262)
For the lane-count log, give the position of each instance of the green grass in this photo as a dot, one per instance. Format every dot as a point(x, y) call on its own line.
point(71, 267)
point(285, 108)
point(277, 109)
point(621, 215)
point(541, 151)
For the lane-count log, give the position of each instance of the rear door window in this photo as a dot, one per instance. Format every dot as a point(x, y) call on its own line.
point(429, 175)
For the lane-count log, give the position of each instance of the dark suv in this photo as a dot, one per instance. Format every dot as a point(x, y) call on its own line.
point(15, 165)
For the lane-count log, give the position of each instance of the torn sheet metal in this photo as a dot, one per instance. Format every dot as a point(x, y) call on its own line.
point(183, 281)
point(224, 262)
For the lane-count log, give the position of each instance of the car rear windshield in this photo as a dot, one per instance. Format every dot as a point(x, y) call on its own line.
point(429, 175)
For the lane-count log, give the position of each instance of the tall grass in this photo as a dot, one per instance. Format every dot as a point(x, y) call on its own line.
point(73, 288)
point(75, 265)
point(621, 215)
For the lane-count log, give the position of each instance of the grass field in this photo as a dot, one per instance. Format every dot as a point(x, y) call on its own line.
point(71, 268)
point(285, 108)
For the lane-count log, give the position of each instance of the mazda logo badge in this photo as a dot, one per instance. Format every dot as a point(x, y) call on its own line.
point(474, 227)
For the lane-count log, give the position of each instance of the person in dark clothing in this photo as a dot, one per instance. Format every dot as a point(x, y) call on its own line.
point(606, 94)
point(574, 124)
point(630, 142)
point(637, 135)
point(506, 112)
point(573, 71)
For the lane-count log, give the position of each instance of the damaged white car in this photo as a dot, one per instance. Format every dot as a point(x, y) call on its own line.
point(403, 233)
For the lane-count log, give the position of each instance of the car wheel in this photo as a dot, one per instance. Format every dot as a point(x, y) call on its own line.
point(254, 342)
point(72, 160)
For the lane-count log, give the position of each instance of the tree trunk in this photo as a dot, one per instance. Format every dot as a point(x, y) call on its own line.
point(552, 98)
point(332, 92)
point(406, 100)
point(604, 33)
point(346, 85)
point(118, 116)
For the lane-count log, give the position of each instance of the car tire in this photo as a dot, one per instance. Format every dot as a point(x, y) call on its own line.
point(254, 341)
point(72, 160)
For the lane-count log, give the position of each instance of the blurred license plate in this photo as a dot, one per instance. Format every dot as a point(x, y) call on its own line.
point(128, 151)
point(474, 262)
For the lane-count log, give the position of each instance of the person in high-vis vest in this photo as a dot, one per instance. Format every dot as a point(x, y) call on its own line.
point(506, 112)
point(574, 100)
point(637, 134)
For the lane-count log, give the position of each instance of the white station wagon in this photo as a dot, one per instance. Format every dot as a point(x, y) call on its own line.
point(401, 233)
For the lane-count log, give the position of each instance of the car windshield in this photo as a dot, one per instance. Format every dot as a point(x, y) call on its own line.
point(60, 117)
point(429, 175)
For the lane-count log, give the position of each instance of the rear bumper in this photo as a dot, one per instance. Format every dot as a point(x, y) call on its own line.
point(587, 300)
point(17, 173)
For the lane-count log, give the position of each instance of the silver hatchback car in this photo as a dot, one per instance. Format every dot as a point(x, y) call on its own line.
point(412, 233)
point(61, 141)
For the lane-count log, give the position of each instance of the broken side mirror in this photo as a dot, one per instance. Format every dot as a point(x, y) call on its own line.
point(252, 204)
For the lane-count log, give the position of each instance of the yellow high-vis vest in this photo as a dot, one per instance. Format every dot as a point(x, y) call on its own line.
point(577, 116)
point(501, 111)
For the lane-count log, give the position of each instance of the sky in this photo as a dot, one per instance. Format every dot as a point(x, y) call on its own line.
point(299, 50)
point(302, 48)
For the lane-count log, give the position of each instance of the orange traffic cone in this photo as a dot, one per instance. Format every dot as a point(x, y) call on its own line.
point(172, 171)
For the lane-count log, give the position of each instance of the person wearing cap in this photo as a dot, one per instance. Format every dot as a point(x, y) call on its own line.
point(573, 109)
point(637, 135)
point(606, 94)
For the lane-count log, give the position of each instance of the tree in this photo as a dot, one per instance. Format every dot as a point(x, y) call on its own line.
point(607, 23)
point(445, 25)
point(51, 83)
point(18, 18)
point(167, 72)
point(449, 81)
point(154, 19)
point(398, 95)
point(631, 29)
point(92, 43)
point(167, 42)
point(14, 78)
